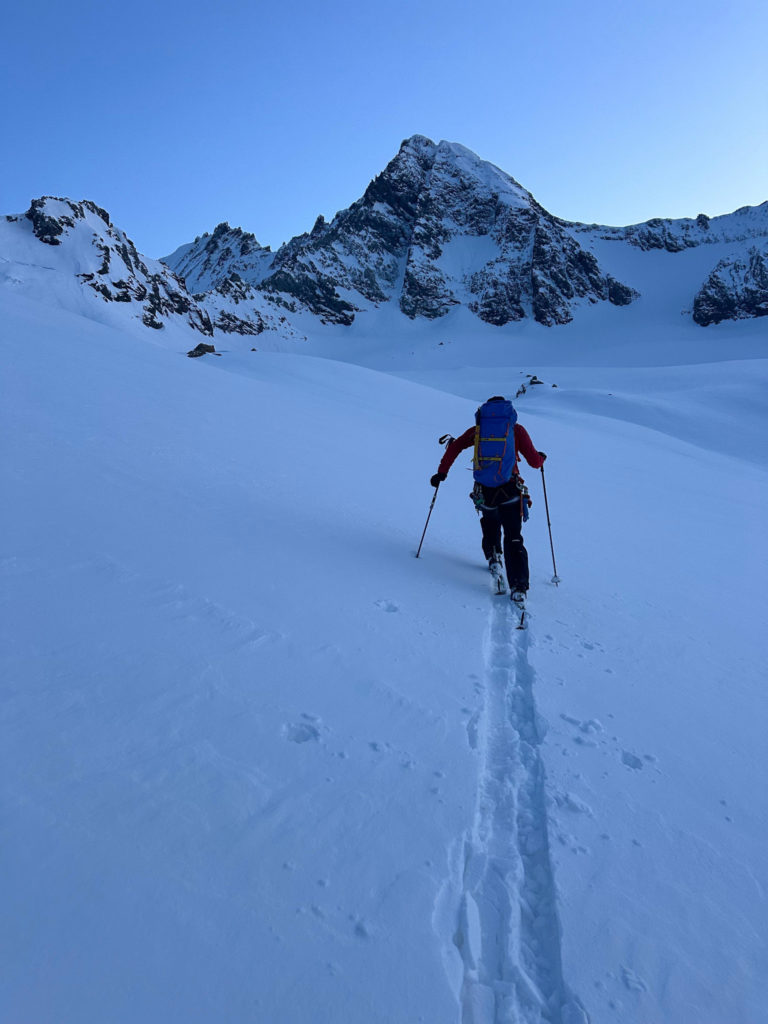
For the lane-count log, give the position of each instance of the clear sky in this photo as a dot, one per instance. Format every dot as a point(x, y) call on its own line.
point(176, 116)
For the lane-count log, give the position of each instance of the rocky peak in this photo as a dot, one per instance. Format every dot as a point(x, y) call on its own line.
point(107, 262)
point(440, 228)
point(207, 262)
point(50, 216)
point(437, 228)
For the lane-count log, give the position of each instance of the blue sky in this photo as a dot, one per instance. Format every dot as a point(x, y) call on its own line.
point(178, 116)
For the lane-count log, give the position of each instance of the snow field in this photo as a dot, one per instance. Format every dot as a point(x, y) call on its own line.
point(236, 757)
point(261, 763)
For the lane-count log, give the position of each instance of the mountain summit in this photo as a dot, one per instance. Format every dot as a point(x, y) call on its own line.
point(439, 227)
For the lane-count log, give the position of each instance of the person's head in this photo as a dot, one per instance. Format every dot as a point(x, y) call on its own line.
point(497, 398)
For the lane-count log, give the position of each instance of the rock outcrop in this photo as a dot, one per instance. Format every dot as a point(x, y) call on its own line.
point(737, 289)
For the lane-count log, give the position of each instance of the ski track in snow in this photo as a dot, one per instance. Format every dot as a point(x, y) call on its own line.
point(508, 932)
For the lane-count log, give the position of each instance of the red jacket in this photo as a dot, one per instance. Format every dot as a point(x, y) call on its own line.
point(523, 445)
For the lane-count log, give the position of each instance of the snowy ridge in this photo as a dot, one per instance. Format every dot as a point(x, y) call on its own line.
point(509, 932)
point(675, 235)
point(72, 251)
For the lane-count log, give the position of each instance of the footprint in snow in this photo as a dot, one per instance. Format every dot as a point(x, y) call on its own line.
point(571, 802)
point(362, 928)
point(631, 761)
point(632, 981)
point(305, 731)
point(387, 606)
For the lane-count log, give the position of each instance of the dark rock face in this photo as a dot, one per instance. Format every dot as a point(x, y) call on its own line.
point(619, 294)
point(235, 307)
point(47, 228)
point(362, 251)
point(477, 237)
point(541, 272)
point(737, 289)
point(318, 294)
point(660, 234)
point(230, 324)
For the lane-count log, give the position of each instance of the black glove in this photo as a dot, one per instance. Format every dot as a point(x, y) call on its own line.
point(543, 455)
point(437, 479)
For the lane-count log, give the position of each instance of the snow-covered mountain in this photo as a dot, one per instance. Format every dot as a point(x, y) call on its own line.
point(437, 228)
point(439, 237)
point(440, 228)
point(71, 250)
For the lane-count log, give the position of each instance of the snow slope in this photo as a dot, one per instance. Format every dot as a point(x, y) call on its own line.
point(260, 764)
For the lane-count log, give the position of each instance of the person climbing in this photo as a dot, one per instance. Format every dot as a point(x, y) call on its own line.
point(499, 493)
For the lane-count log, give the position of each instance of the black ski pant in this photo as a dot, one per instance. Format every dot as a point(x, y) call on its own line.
point(509, 519)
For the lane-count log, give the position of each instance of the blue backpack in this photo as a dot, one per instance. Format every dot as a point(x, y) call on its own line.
point(495, 459)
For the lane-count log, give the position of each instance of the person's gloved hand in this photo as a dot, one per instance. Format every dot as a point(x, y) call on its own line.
point(543, 455)
point(437, 479)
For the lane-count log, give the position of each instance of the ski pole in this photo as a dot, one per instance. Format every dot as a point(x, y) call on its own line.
point(434, 498)
point(555, 578)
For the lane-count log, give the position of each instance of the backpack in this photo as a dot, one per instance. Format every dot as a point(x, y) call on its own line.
point(495, 455)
